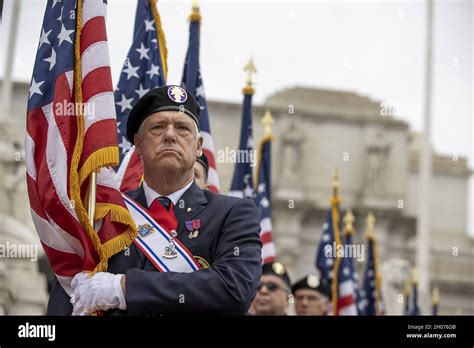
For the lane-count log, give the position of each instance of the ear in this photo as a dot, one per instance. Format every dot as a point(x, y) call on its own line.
point(138, 142)
point(199, 146)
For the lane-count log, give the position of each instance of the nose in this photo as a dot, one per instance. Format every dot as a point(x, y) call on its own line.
point(261, 290)
point(170, 134)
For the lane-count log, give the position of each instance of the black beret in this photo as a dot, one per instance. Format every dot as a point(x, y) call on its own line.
point(277, 268)
point(313, 282)
point(161, 99)
point(204, 162)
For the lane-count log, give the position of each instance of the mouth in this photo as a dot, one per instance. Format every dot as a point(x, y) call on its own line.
point(169, 151)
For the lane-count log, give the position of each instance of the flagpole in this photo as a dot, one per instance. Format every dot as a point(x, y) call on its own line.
point(7, 85)
point(425, 165)
point(92, 197)
point(335, 200)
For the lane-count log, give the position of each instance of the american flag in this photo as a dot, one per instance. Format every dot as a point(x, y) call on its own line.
point(435, 301)
point(414, 309)
point(335, 269)
point(242, 181)
point(71, 132)
point(144, 69)
point(348, 233)
point(192, 81)
point(406, 298)
point(372, 293)
point(263, 199)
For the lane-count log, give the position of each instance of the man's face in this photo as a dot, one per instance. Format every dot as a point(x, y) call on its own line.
point(200, 175)
point(168, 141)
point(272, 297)
point(310, 302)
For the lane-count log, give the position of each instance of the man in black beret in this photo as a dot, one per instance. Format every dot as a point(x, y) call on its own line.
point(201, 170)
point(311, 296)
point(273, 291)
point(197, 251)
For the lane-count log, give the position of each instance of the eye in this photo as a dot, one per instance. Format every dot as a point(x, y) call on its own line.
point(183, 127)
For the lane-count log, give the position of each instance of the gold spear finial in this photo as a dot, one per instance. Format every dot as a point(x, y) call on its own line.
point(250, 69)
point(436, 297)
point(414, 277)
point(335, 183)
point(349, 221)
point(267, 121)
point(195, 13)
point(370, 222)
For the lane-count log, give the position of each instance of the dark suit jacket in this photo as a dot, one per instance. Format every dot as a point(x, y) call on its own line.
point(228, 239)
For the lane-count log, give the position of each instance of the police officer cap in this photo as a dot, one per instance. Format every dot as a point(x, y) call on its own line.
point(313, 282)
point(161, 99)
point(278, 269)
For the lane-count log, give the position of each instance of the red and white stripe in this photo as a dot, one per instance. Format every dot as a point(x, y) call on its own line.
point(130, 173)
point(208, 149)
point(97, 87)
point(346, 304)
point(268, 248)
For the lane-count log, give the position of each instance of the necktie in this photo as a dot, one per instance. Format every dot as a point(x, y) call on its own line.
point(162, 210)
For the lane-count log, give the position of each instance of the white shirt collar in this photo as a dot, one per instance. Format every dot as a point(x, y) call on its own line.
point(151, 194)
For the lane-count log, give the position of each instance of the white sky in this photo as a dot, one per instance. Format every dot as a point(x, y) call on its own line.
point(374, 48)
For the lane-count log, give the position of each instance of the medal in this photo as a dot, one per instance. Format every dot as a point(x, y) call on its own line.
point(193, 228)
point(170, 249)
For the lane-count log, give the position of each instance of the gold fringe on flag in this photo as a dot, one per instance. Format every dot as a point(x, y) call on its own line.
point(161, 38)
point(100, 158)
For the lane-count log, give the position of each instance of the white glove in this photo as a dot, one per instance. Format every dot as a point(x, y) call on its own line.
point(102, 291)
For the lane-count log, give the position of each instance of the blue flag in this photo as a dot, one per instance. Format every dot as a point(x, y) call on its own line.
point(354, 276)
point(242, 181)
point(334, 266)
point(192, 81)
point(372, 303)
point(263, 199)
point(414, 309)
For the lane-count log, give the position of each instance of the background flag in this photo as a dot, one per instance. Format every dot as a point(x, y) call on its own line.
point(71, 132)
point(263, 188)
point(192, 81)
point(406, 295)
point(435, 301)
point(145, 68)
point(414, 309)
point(334, 267)
point(373, 304)
point(348, 234)
point(242, 180)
